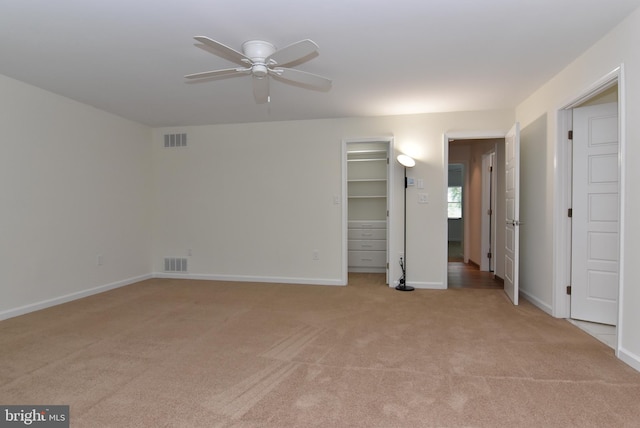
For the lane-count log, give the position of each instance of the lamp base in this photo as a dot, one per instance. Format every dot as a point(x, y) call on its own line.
point(404, 287)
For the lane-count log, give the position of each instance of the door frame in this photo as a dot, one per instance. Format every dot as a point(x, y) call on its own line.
point(446, 137)
point(563, 176)
point(392, 271)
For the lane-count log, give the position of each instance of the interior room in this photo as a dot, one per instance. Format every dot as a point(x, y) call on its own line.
point(205, 221)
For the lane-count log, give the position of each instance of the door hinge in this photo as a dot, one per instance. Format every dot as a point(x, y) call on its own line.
point(489, 211)
point(570, 135)
point(570, 212)
point(387, 213)
point(568, 289)
point(387, 265)
point(489, 255)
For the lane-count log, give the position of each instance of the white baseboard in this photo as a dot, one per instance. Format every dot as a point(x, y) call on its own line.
point(426, 285)
point(10, 313)
point(629, 358)
point(247, 278)
point(537, 302)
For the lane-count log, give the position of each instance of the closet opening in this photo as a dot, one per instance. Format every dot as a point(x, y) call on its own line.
point(367, 207)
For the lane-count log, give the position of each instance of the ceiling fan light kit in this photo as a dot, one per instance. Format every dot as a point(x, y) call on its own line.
point(261, 59)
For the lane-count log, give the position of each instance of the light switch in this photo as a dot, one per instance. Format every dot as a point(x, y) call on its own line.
point(420, 183)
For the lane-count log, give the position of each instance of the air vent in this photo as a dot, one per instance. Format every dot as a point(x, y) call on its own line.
point(173, 264)
point(175, 140)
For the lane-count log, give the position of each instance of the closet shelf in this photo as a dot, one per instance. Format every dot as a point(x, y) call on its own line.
point(367, 160)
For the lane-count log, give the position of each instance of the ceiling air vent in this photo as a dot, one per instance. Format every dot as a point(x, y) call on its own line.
point(173, 264)
point(175, 140)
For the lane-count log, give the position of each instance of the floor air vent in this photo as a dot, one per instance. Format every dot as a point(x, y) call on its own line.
point(175, 140)
point(173, 264)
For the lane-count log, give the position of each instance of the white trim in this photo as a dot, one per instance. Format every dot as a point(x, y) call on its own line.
point(445, 211)
point(628, 357)
point(622, 151)
point(537, 302)
point(474, 135)
point(596, 88)
point(249, 278)
point(428, 285)
point(344, 277)
point(43, 304)
point(561, 228)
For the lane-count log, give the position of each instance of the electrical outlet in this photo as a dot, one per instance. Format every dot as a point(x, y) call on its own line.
point(423, 198)
point(99, 260)
point(316, 255)
point(189, 252)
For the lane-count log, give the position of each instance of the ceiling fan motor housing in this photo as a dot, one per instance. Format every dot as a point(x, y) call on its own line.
point(258, 51)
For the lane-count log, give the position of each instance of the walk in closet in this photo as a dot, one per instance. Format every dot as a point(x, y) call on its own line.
point(367, 193)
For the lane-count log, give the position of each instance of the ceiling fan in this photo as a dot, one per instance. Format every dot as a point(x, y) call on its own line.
point(262, 60)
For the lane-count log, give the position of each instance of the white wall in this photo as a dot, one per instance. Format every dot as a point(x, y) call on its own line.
point(536, 228)
point(253, 201)
point(618, 47)
point(75, 183)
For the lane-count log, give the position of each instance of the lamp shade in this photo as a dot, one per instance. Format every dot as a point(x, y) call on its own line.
point(406, 161)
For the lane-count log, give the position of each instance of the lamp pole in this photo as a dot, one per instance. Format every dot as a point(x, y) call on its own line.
point(406, 162)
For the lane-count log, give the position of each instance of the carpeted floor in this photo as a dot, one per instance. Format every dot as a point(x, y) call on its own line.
point(171, 353)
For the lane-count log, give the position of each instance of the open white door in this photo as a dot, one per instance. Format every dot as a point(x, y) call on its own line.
point(488, 231)
point(595, 220)
point(512, 212)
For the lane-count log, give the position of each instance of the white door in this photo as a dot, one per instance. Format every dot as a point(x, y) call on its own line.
point(595, 214)
point(512, 212)
point(488, 231)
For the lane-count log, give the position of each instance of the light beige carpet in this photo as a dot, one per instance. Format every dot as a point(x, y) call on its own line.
point(170, 353)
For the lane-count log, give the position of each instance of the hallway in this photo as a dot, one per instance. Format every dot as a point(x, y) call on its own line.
point(466, 275)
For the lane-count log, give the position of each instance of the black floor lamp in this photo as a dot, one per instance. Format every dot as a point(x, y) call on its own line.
point(406, 162)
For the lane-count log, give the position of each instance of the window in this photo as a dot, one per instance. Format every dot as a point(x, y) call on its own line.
point(454, 198)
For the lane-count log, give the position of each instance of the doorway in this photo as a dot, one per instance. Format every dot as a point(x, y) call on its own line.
point(472, 165)
point(574, 236)
point(455, 219)
point(367, 192)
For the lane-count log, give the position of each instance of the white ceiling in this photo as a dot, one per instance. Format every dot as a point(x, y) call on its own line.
point(129, 57)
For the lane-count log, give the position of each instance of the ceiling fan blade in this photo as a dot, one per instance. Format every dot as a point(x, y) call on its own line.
point(217, 73)
point(294, 52)
point(303, 78)
point(261, 89)
point(222, 50)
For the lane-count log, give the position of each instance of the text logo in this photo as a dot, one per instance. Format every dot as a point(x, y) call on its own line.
point(34, 416)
